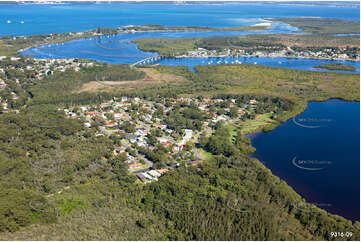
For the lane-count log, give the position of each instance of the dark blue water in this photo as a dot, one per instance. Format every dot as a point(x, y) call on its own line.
point(40, 18)
point(318, 154)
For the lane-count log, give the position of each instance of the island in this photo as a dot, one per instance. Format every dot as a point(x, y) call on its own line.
point(337, 67)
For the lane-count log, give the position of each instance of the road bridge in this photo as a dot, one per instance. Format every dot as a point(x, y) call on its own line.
point(147, 61)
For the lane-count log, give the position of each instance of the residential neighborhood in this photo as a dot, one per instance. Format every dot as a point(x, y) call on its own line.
point(155, 136)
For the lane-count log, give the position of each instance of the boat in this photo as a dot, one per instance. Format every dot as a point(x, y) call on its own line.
point(22, 22)
point(9, 22)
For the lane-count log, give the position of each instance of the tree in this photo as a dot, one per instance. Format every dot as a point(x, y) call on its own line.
point(233, 112)
point(128, 127)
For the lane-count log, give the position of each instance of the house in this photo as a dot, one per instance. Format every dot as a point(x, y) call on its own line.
point(135, 165)
point(83, 109)
point(110, 125)
point(181, 145)
point(154, 173)
point(147, 176)
point(162, 140)
point(87, 124)
point(132, 138)
point(166, 144)
point(223, 118)
point(187, 136)
point(160, 126)
point(252, 101)
point(93, 113)
point(118, 116)
point(162, 171)
point(142, 178)
point(142, 143)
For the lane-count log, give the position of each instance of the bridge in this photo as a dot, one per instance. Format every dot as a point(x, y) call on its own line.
point(149, 60)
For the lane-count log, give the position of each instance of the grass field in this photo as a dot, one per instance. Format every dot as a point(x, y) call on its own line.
point(256, 124)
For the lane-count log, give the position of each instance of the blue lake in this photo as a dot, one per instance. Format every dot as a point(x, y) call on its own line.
point(318, 154)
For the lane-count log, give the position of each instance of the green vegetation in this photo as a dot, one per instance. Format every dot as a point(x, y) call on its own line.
point(323, 25)
point(62, 181)
point(41, 152)
point(230, 197)
point(337, 67)
point(166, 47)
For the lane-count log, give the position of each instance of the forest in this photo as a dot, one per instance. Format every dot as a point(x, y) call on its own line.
point(63, 183)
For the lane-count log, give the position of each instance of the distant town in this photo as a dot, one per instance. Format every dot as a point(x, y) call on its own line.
point(34, 68)
point(321, 53)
